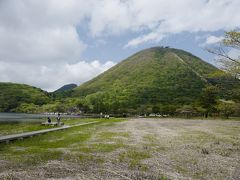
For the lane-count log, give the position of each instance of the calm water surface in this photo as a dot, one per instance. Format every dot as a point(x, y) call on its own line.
point(20, 117)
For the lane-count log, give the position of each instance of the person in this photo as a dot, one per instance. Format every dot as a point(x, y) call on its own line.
point(58, 119)
point(106, 116)
point(49, 120)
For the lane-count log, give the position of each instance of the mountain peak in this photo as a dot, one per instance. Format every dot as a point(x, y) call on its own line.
point(158, 75)
point(66, 88)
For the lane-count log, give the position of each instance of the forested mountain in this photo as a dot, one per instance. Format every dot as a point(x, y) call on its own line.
point(63, 92)
point(66, 87)
point(153, 77)
point(13, 95)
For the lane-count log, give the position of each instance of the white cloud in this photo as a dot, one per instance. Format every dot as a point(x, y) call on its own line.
point(40, 31)
point(46, 45)
point(145, 38)
point(213, 40)
point(207, 40)
point(163, 18)
point(51, 77)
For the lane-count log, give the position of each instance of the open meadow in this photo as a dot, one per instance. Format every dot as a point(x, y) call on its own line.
point(143, 148)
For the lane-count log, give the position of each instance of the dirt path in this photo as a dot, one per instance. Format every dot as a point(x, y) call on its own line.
point(149, 149)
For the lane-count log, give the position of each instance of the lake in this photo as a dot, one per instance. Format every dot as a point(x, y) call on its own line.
point(20, 117)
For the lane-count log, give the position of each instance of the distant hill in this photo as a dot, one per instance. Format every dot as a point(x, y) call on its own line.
point(156, 76)
point(66, 88)
point(63, 92)
point(13, 95)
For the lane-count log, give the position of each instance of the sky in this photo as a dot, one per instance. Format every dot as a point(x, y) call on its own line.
point(50, 43)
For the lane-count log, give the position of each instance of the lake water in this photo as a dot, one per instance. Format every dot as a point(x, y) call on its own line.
point(22, 117)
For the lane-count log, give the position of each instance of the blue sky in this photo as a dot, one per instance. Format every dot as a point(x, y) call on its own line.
point(49, 43)
point(112, 48)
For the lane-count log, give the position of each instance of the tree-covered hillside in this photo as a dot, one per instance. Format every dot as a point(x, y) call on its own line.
point(66, 87)
point(63, 92)
point(12, 96)
point(161, 77)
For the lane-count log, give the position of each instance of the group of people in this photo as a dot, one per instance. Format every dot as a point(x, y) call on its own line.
point(58, 119)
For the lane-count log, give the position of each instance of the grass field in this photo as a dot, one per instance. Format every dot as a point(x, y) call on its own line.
point(21, 127)
point(127, 149)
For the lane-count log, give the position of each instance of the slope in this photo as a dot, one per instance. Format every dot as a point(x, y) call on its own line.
point(155, 76)
point(65, 88)
point(13, 95)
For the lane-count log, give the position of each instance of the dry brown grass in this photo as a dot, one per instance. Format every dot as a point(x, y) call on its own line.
point(144, 149)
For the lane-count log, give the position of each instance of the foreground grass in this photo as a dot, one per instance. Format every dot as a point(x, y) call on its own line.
point(135, 149)
point(52, 146)
point(20, 127)
point(7, 128)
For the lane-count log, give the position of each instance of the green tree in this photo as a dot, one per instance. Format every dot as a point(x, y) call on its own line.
point(59, 107)
point(155, 109)
point(226, 108)
point(208, 99)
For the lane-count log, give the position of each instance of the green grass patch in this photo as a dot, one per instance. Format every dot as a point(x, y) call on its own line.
point(150, 138)
point(50, 146)
point(7, 128)
point(134, 158)
point(15, 128)
point(112, 135)
point(74, 121)
point(151, 143)
point(107, 147)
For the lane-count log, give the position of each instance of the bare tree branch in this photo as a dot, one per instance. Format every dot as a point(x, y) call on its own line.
point(228, 63)
point(220, 52)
